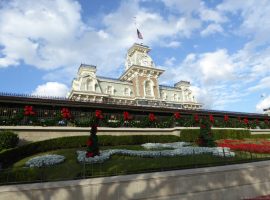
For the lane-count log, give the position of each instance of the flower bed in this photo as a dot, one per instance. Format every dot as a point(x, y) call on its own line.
point(258, 146)
point(178, 150)
point(46, 160)
point(173, 145)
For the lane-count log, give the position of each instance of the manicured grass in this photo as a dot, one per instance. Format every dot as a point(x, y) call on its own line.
point(71, 169)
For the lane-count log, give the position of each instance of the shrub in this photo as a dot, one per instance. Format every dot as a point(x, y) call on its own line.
point(12, 155)
point(8, 139)
point(190, 135)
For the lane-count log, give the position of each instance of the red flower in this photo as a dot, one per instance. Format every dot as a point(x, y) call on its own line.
point(89, 142)
point(242, 145)
point(226, 118)
point(245, 121)
point(28, 111)
point(177, 115)
point(89, 154)
point(211, 118)
point(266, 121)
point(99, 114)
point(126, 116)
point(196, 118)
point(65, 113)
point(152, 117)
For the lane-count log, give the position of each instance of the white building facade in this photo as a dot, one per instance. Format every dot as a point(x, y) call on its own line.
point(138, 85)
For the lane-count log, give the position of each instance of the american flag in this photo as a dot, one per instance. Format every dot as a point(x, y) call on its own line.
point(139, 34)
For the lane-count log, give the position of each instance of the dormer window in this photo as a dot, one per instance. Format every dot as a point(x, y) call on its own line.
point(164, 96)
point(110, 90)
point(175, 97)
point(90, 85)
point(127, 92)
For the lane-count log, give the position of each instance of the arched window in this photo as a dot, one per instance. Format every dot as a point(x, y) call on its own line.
point(148, 87)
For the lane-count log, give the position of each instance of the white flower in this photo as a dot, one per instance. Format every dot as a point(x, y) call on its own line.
point(45, 160)
point(173, 145)
point(179, 149)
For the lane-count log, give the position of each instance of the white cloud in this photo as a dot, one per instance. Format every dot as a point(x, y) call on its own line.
point(189, 7)
point(37, 32)
point(172, 44)
point(254, 16)
point(50, 35)
point(184, 6)
point(207, 14)
point(213, 77)
point(263, 84)
point(170, 61)
point(53, 89)
point(263, 104)
point(215, 66)
point(211, 29)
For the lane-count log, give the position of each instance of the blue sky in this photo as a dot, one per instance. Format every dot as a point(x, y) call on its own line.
point(221, 47)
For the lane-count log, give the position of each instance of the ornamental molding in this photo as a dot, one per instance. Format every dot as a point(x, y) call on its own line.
point(141, 70)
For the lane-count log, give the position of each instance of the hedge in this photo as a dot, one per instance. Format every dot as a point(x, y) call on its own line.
point(191, 135)
point(8, 139)
point(261, 136)
point(13, 155)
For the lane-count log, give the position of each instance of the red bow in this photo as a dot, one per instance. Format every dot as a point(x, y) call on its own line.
point(226, 118)
point(245, 121)
point(152, 117)
point(126, 116)
point(99, 114)
point(65, 113)
point(196, 118)
point(177, 115)
point(211, 118)
point(28, 111)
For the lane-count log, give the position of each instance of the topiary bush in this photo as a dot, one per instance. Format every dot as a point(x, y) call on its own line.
point(8, 139)
point(205, 138)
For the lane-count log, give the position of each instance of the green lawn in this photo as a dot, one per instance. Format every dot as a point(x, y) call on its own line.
point(71, 169)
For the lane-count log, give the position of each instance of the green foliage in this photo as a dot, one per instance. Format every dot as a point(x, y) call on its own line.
point(190, 135)
point(205, 138)
point(12, 155)
point(84, 122)
point(260, 136)
point(230, 134)
point(8, 139)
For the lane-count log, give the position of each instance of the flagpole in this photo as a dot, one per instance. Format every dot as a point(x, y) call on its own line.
point(139, 36)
